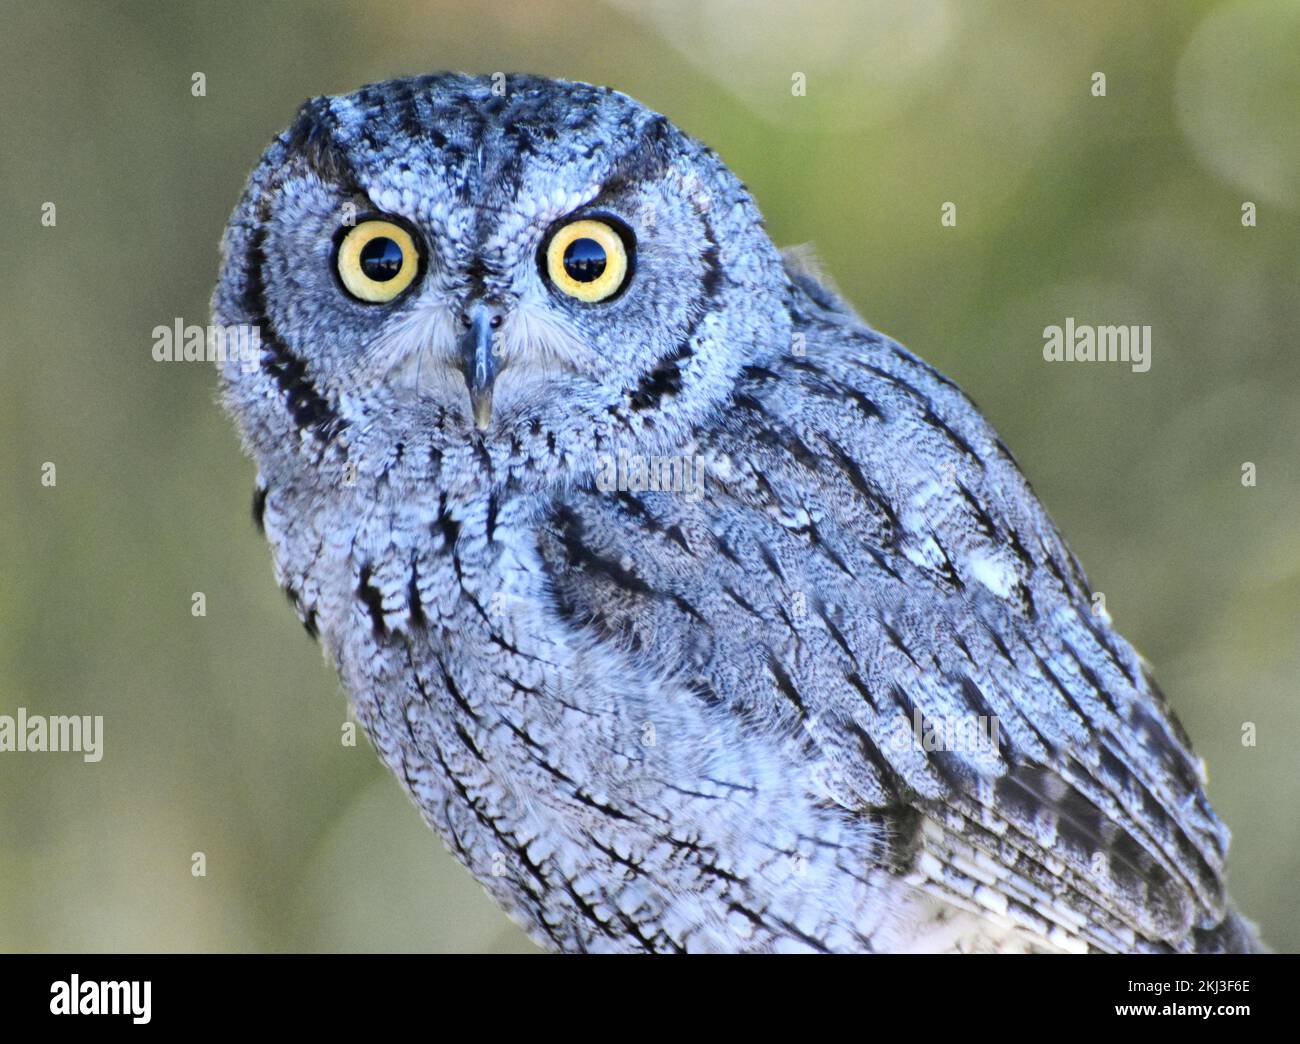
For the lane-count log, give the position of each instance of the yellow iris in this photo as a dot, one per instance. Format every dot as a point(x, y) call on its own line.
point(377, 260)
point(586, 259)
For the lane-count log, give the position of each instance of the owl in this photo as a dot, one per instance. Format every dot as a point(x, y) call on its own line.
point(691, 612)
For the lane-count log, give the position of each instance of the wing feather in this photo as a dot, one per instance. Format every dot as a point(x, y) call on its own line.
point(868, 557)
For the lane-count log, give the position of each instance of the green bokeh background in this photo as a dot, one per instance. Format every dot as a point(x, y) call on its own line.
point(222, 733)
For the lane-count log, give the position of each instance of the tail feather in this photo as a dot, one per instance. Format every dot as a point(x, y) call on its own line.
point(1234, 934)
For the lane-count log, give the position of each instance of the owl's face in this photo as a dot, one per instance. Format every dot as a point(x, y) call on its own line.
point(498, 262)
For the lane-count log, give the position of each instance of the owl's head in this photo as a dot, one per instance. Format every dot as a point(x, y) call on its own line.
point(516, 269)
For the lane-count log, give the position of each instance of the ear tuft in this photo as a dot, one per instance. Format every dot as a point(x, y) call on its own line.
point(311, 139)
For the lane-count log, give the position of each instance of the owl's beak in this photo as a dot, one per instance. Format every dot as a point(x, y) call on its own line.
point(477, 360)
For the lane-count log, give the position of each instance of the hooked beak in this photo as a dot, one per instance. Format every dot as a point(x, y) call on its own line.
point(478, 362)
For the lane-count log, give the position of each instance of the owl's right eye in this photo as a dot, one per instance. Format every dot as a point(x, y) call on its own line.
point(376, 260)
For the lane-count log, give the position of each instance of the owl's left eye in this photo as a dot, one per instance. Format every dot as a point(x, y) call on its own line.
point(588, 259)
point(376, 260)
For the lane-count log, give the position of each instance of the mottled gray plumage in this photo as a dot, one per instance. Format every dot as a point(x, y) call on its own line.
point(654, 721)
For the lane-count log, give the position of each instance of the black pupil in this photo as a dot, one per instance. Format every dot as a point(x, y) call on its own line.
point(584, 260)
point(381, 259)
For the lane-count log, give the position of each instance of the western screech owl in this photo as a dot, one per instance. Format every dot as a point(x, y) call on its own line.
point(693, 613)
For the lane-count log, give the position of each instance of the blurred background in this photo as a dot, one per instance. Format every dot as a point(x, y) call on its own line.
point(222, 732)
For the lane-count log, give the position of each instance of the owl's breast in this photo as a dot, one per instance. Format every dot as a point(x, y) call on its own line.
point(600, 797)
